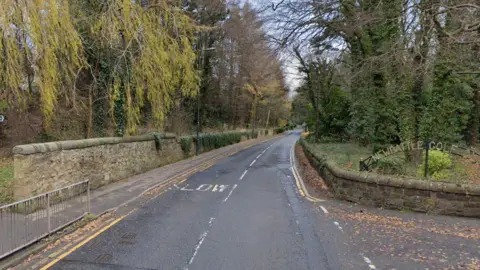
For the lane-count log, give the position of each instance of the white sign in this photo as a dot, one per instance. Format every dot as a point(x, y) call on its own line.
point(2, 118)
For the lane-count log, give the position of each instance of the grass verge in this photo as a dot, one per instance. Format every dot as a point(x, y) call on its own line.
point(6, 180)
point(348, 155)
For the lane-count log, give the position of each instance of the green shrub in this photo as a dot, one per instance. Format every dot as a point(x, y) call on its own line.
point(186, 144)
point(6, 182)
point(279, 130)
point(438, 164)
point(391, 165)
point(209, 141)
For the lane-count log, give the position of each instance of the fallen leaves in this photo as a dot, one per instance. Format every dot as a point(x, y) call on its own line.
point(427, 241)
point(309, 174)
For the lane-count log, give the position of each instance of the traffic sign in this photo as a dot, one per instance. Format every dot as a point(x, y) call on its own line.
point(2, 118)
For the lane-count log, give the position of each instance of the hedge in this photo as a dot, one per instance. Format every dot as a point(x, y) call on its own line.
point(210, 141)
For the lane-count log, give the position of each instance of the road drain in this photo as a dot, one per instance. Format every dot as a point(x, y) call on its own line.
point(124, 242)
point(104, 258)
point(129, 236)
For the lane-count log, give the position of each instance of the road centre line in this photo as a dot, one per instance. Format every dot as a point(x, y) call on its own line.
point(259, 156)
point(230, 194)
point(243, 175)
point(166, 183)
point(253, 162)
point(200, 242)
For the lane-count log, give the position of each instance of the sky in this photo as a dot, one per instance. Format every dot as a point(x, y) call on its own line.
point(290, 64)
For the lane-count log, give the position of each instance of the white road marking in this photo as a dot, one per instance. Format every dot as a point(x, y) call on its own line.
point(253, 162)
point(259, 156)
point(369, 262)
point(219, 188)
point(324, 209)
point(243, 175)
point(204, 187)
point(230, 194)
point(200, 242)
point(264, 151)
point(338, 225)
point(185, 188)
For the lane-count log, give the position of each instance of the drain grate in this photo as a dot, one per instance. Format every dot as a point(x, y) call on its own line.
point(95, 244)
point(125, 242)
point(103, 258)
point(129, 235)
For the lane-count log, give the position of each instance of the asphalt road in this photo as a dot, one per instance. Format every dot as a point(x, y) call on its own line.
point(238, 214)
point(245, 213)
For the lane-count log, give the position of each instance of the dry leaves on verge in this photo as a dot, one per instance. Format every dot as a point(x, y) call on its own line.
point(309, 174)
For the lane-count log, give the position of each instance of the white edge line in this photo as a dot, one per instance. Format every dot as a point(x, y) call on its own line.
point(324, 209)
point(369, 262)
point(230, 194)
point(338, 225)
point(243, 175)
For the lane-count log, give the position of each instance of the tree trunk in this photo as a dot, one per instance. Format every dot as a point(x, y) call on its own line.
point(254, 113)
point(476, 118)
point(90, 113)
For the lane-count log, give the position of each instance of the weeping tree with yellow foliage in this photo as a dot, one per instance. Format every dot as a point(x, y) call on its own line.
point(141, 54)
point(40, 54)
point(132, 56)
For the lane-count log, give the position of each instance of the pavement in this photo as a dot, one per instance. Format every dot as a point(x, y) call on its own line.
point(247, 212)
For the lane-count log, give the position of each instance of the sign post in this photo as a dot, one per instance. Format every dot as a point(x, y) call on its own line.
point(427, 147)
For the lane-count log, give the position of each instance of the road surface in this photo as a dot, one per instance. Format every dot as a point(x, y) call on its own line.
point(245, 212)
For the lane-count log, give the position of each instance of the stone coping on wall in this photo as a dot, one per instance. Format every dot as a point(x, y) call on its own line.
point(392, 181)
point(29, 149)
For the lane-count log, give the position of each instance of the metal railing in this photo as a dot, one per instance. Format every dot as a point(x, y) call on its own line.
point(24, 222)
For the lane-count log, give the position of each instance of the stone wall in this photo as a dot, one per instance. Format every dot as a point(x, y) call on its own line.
point(395, 193)
point(39, 168)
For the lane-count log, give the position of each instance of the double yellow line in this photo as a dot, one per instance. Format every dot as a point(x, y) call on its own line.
point(298, 179)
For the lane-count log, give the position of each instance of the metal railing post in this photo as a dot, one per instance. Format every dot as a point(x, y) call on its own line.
point(49, 222)
point(88, 198)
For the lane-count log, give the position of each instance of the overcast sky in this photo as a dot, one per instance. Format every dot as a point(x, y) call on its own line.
point(292, 77)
